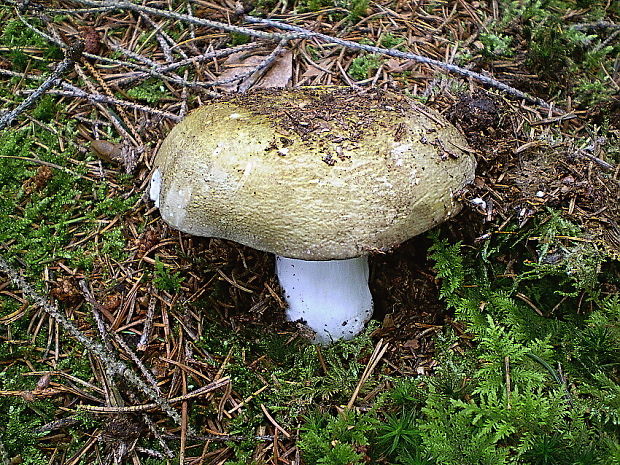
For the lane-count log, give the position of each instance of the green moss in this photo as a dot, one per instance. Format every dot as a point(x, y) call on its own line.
point(238, 39)
point(113, 245)
point(572, 62)
point(151, 91)
point(19, 417)
point(165, 279)
point(46, 109)
point(37, 225)
point(364, 66)
point(390, 41)
point(16, 34)
point(335, 440)
point(356, 9)
point(497, 45)
point(17, 37)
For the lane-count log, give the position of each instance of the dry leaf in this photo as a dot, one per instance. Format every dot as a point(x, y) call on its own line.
point(277, 75)
point(280, 72)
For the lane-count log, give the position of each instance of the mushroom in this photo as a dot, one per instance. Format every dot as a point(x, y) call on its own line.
point(321, 177)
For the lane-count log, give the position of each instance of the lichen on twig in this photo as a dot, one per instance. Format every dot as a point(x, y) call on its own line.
point(301, 33)
point(113, 365)
point(73, 54)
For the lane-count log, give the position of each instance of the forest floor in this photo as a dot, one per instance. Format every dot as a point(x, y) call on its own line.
point(495, 337)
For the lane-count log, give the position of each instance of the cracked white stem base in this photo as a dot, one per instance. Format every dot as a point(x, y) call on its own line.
point(331, 297)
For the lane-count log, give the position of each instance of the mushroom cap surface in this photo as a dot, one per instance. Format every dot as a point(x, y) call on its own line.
point(312, 174)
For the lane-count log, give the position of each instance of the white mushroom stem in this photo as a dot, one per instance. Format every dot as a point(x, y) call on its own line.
point(331, 297)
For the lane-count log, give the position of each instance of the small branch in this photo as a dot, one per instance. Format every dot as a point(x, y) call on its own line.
point(262, 68)
point(145, 72)
point(300, 33)
point(141, 408)
point(595, 25)
point(508, 381)
point(598, 161)
point(105, 332)
point(148, 325)
point(65, 65)
point(188, 61)
point(611, 38)
point(51, 165)
point(162, 37)
point(153, 453)
point(115, 366)
point(76, 92)
point(123, 5)
point(223, 437)
point(407, 56)
point(153, 428)
point(57, 424)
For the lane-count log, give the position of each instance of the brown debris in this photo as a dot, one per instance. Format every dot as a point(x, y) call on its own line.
point(65, 290)
point(38, 182)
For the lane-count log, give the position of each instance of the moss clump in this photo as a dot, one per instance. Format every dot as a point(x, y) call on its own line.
point(364, 66)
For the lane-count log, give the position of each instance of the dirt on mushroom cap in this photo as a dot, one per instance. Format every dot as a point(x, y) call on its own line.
point(314, 174)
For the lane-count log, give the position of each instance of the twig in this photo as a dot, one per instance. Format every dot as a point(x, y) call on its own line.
point(370, 367)
point(153, 428)
point(407, 56)
point(247, 399)
point(183, 445)
point(508, 381)
point(71, 56)
point(153, 453)
point(223, 437)
point(119, 122)
point(136, 56)
point(51, 165)
point(301, 33)
point(158, 435)
point(153, 71)
point(607, 41)
point(76, 92)
point(105, 331)
point(115, 366)
point(596, 160)
point(62, 374)
point(273, 422)
point(145, 71)
point(162, 37)
point(183, 109)
point(90, 298)
point(148, 325)
point(595, 25)
point(156, 71)
point(262, 68)
point(57, 424)
point(124, 5)
point(141, 408)
point(159, 70)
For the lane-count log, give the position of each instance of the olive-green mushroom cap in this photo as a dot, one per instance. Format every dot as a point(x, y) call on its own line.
point(312, 174)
